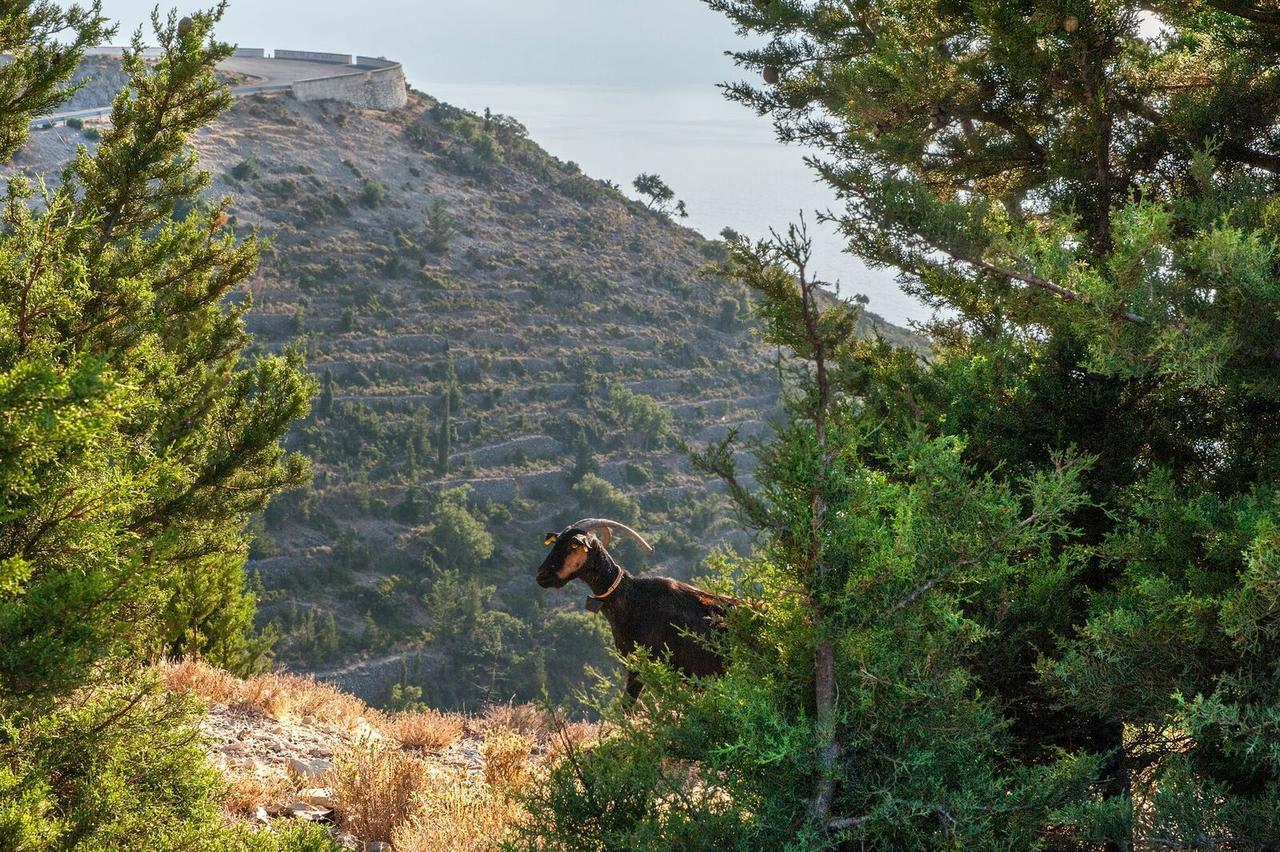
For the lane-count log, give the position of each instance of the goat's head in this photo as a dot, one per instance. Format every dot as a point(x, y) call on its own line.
point(572, 546)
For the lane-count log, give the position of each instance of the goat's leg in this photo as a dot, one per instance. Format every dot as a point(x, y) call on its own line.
point(633, 687)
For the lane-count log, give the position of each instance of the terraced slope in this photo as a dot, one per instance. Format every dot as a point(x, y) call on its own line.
point(568, 328)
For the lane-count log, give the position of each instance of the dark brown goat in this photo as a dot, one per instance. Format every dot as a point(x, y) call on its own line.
point(665, 616)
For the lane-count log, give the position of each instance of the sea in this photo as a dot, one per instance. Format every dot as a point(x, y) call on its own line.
point(718, 156)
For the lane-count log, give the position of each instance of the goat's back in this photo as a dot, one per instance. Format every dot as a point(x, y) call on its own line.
point(657, 613)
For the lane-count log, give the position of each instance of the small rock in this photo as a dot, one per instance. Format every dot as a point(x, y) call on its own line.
point(234, 746)
point(320, 796)
point(307, 811)
point(309, 769)
point(261, 813)
point(377, 846)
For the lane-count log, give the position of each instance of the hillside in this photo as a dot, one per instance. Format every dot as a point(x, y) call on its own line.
point(290, 749)
point(430, 260)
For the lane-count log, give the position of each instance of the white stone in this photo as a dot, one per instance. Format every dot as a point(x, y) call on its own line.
point(321, 796)
point(309, 769)
point(307, 811)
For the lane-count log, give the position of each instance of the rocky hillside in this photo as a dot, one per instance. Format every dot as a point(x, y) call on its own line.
point(501, 344)
point(292, 749)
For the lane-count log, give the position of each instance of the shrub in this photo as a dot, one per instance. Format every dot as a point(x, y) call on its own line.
point(424, 728)
point(459, 814)
point(372, 193)
point(458, 536)
point(596, 496)
point(506, 759)
point(245, 169)
point(376, 787)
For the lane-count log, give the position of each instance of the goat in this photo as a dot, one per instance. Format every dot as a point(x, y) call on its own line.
point(662, 615)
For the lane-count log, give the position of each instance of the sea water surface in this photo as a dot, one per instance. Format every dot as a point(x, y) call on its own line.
point(718, 156)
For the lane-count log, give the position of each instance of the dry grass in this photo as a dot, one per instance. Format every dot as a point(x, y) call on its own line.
point(280, 696)
point(247, 791)
point(573, 735)
point(506, 759)
point(527, 719)
point(463, 815)
point(429, 729)
point(202, 680)
point(378, 787)
point(386, 789)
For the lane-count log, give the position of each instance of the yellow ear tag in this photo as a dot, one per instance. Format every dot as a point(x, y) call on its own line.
point(549, 540)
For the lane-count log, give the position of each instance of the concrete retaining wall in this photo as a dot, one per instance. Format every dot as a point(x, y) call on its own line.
point(314, 56)
point(381, 88)
point(147, 52)
point(376, 83)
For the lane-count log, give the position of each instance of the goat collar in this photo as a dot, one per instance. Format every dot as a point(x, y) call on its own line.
point(613, 587)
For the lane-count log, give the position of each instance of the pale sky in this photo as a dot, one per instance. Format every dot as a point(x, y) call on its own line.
point(606, 42)
point(618, 86)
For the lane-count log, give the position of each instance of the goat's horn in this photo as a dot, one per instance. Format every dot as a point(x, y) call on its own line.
point(589, 524)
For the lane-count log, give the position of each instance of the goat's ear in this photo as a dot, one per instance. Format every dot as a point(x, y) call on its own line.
point(606, 536)
point(549, 539)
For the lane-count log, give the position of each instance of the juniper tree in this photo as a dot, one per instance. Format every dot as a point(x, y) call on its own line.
point(1086, 191)
point(135, 443)
point(1048, 548)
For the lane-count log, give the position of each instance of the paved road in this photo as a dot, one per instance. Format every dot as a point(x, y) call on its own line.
point(272, 75)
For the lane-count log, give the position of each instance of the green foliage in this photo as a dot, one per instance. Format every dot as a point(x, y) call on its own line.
point(136, 442)
point(584, 458)
point(458, 538)
point(372, 193)
point(439, 227)
point(595, 494)
point(642, 421)
point(324, 403)
point(492, 656)
point(658, 196)
point(121, 770)
point(246, 169)
point(444, 433)
point(1020, 595)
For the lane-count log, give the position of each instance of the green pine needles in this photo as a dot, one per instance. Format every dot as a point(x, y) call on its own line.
point(1024, 592)
point(135, 442)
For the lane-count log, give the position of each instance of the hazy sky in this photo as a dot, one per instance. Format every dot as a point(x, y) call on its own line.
point(604, 42)
point(618, 86)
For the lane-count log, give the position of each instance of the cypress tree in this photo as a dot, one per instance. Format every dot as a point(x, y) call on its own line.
point(444, 437)
point(584, 458)
point(324, 404)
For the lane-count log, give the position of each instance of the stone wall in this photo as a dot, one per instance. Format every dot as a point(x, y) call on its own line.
point(379, 88)
point(250, 52)
point(315, 56)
